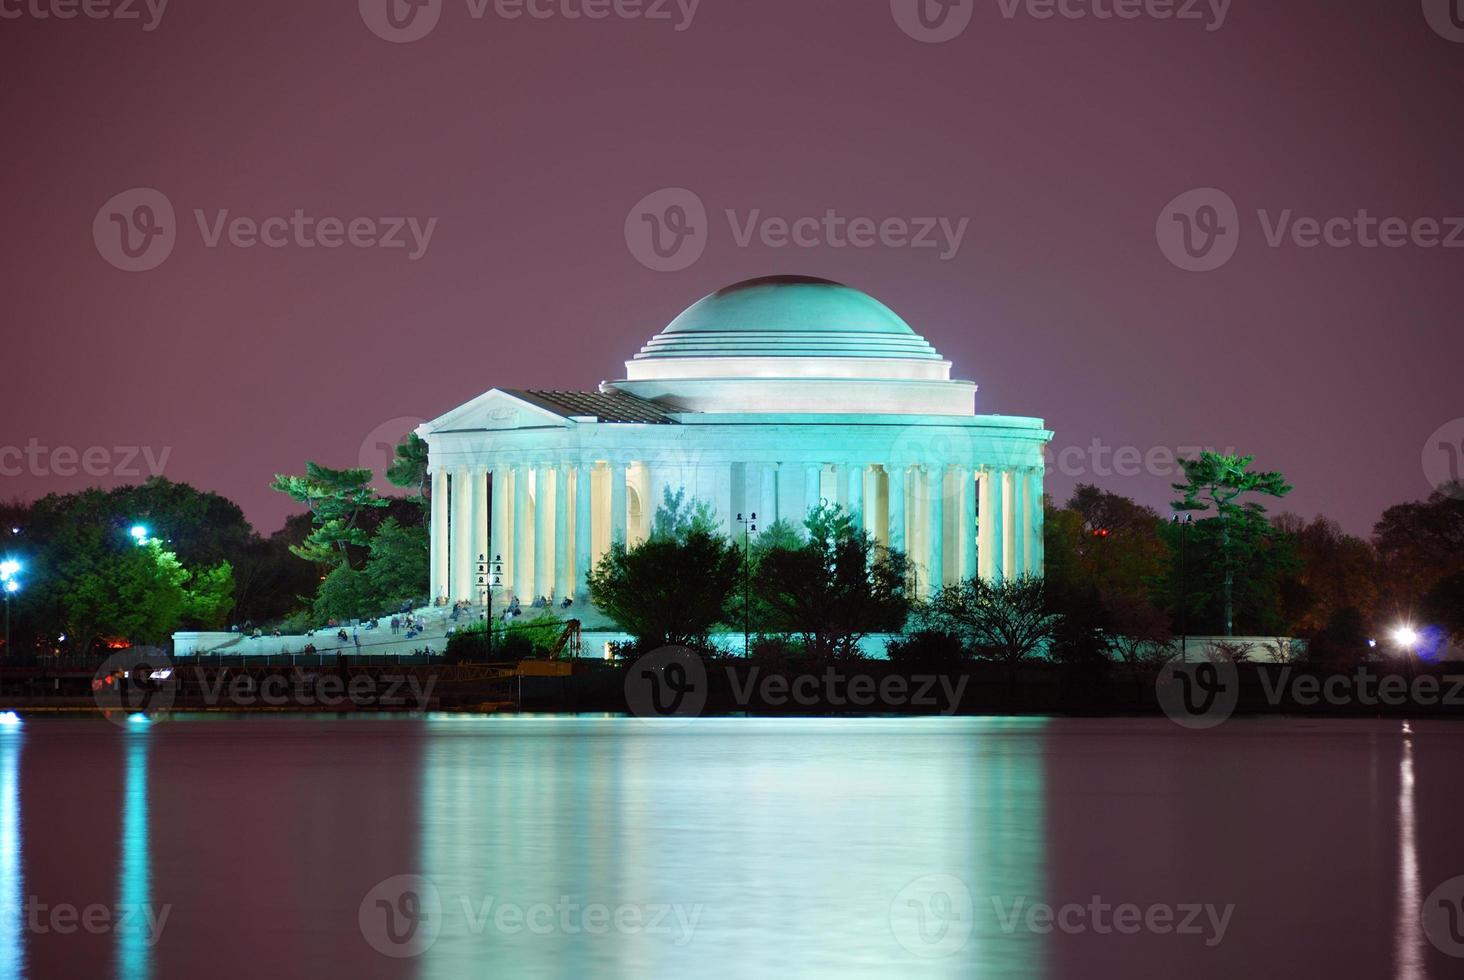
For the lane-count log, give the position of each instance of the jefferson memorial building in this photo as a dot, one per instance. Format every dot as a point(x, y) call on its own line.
point(766, 397)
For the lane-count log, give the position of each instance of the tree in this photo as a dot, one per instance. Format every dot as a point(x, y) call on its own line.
point(1419, 544)
point(671, 589)
point(679, 515)
point(398, 567)
point(834, 589)
point(408, 468)
point(1224, 483)
point(337, 500)
point(1008, 621)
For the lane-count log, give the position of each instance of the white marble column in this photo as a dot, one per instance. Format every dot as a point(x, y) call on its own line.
point(968, 522)
point(462, 535)
point(479, 552)
point(767, 495)
point(563, 546)
point(812, 492)
point(617, 501)
point(441, 549)
point(543, 528)
point(897, 507)
point(856, 496)
point(935, 529)
point(523, 536)
point(583, 540)
point(1036, 551)
point(1020, 523)
point(993, 522)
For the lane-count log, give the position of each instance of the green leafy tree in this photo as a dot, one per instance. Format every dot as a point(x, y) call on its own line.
point(397, 568)
point(408, 469)
point(833, 589)
point(1225, 486)
point(679, 515)
point(337, 501)
point(675, 586)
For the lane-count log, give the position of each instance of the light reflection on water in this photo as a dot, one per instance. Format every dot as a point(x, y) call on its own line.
point(775, 846)
point(725, 847)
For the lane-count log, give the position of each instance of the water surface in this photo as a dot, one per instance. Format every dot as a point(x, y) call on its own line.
point(450, 847)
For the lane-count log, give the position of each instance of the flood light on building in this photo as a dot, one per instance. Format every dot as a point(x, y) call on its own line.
point(1406, 637)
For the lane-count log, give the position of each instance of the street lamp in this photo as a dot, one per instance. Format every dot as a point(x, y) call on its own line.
point(1407, 639)
point(490, 576)
point(9, 569)
point(749, 526)
point(1184, 527)
point(139, 533)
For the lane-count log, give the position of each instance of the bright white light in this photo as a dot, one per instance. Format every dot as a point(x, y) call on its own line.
point(9, 719)
point(1406, 637)
point(11, 585)
point(139, 532)
point(138, 719)
point(8, 568)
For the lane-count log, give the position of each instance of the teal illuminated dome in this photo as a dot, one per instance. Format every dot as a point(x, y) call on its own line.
point(788, 316)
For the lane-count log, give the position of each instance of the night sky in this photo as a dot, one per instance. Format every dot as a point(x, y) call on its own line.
point(529, 141)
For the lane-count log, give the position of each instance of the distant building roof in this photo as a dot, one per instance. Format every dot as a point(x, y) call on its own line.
point(607, 407)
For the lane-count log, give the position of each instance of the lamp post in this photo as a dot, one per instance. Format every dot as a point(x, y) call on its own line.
point(490, 576)
point(1184, 527)
point(9, 569)
point(1407, 639)
point(749, 525)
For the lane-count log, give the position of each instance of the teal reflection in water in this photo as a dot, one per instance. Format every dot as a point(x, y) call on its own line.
point(12, 878)
point(748, 847)
point(134, 953)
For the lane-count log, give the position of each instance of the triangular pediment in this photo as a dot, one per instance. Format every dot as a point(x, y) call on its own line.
point(494, 411)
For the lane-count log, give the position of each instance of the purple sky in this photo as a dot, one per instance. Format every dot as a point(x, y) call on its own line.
point(530, 141)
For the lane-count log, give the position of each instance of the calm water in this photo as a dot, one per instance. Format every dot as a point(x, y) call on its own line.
point(574, 847)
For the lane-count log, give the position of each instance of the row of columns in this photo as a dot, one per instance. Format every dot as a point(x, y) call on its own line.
point(550, 522)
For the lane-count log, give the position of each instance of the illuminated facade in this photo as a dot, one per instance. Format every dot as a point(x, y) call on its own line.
point(766, 397)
